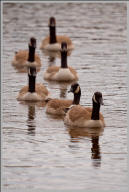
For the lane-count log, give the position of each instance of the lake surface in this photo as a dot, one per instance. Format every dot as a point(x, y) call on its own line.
point(38, 150)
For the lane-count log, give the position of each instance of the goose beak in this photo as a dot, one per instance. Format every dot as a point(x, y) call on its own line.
point(71, 90)
point(66, 109)
point(101, 101)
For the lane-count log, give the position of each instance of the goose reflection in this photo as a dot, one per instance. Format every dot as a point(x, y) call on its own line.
point(31, 124)
point(95, 151)
point(51, 60)
point(31, 120)
point(76, 134)
point(61, 86)
point(63, 90)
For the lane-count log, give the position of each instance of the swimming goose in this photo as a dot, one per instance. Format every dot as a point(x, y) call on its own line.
point(57, 106)
point(21, 58)
point(63, 73)
point(33, 91)
point(53, 42)
point(80, 116)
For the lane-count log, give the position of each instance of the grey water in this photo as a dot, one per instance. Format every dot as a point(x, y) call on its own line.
point(38, 150)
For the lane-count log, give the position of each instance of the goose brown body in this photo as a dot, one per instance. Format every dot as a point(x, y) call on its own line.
point(64, 72)
point(21, 60)
point(33, 91)
point(57, 106)
point(81, 117)
point(53, 42)
point(40, 94)
point(56, 73)
point(56, 46)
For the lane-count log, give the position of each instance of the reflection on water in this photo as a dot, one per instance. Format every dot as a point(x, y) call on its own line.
point(95, 150)
point(47, 155)
point(51, 60)
point(63, 90)
point(77, 134)
point(30, 121)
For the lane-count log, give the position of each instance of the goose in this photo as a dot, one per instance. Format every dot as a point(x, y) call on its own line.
point(62, 73)
point(80, 116)
point(57, 106)
point(53, 42)
point(33, 91)
point(21, 58)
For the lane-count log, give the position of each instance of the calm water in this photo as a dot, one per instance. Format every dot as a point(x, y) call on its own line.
point(39, 151)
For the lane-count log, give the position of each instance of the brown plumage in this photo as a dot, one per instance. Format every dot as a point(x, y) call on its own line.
point(80, 116)
point(53, 70)
point(21, 57)
point(85, 132)
point(40, 90)
point(80, 112)
point(57, 106)
point(60, 39)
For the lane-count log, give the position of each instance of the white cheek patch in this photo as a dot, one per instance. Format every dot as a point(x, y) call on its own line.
point(94, 99)
point(34, 74)
point(30, 64)
point(77, 89)
point(64, 49)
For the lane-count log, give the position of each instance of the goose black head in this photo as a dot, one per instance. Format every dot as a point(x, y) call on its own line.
point(97, 98)
point(75, 88)
point(52, 22)
point(63, 47)
point(64, 55)
point(32, 42)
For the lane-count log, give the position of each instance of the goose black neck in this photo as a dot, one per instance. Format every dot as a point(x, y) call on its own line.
point(32, 79)
point(95, 111)
point(64, 59)
point(76, 99)
point(52, 34)
point(31, 57)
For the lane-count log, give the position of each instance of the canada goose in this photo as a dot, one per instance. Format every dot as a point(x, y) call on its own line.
point(21, 58)
point(57, 106)
point(32, 92)
point(85, 116)
point(53, 42)
point(63, 73)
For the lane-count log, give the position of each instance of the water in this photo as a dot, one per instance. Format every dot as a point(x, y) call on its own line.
point(39, 151)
